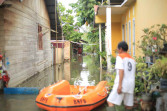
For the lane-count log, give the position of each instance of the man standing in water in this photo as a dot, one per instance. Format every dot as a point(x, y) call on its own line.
point(124, 83)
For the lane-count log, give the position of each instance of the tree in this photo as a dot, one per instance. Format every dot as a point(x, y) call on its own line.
point(85, 14)
point(84, 10)
point(70, 30)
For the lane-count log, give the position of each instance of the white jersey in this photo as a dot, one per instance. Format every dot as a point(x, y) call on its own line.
point(127, 63)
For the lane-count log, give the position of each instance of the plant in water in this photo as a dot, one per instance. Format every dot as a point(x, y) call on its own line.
point(143, 78)
point(160, 68)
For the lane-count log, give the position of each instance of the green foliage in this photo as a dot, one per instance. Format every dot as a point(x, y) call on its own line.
point(92, 37)
point(111, 78)
point(141, 71)
point(153, 39)
point(70, 30)
point(102, 54)
point(113, 60)
point(104, 63)
point(104, 57)
point(143, 78)
point(85, 13)
point(160, 68)
point(163, 32)
point(84, 10)
point(90, 48)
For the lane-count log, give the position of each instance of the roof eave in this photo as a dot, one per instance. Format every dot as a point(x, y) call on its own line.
point(116, 9)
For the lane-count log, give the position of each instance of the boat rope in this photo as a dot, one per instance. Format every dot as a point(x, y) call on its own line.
point(78, 95)
point(80, 90)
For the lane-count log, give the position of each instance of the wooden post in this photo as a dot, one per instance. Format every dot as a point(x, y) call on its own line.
point(56, 17)
point(56, 47)
point(100, 49)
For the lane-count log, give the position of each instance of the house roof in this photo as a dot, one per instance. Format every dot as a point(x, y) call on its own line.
point(53, 15)
point(50, 4)
point(116, 2)
point(116, 9)
point(113, 2)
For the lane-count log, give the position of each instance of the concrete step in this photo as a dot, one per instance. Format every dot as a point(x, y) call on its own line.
point(21, 90)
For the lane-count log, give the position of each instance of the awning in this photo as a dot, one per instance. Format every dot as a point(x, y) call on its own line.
point(51, 6)
point(116, 9)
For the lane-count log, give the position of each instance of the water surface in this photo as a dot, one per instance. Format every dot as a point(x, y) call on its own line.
point(82, 70)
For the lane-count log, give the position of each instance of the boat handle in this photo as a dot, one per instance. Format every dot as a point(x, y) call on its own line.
point(77, 96)
point(105, 92)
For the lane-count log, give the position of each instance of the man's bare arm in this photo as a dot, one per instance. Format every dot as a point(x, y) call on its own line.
point(121, 75)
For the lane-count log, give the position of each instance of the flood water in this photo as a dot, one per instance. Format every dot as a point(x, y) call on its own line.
point(82, 70)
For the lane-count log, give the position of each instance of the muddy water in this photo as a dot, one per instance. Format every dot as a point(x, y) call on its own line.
point(82, 70)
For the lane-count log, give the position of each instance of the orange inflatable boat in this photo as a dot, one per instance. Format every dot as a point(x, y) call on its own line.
point(65, 97)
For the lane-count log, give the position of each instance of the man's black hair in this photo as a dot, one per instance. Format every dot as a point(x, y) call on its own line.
point(123, 45)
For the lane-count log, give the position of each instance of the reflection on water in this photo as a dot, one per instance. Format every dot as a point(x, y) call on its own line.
point(88, 70)
point(41, 79)
point(82, 70)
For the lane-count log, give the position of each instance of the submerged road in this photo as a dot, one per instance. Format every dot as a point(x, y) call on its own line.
point(82, 70)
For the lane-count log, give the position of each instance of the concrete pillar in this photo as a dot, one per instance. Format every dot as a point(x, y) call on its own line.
point(108, 38)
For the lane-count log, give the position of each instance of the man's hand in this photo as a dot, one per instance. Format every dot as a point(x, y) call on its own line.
point(119, 90)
